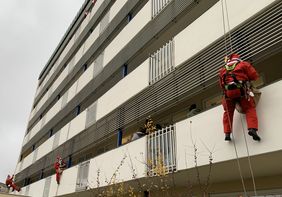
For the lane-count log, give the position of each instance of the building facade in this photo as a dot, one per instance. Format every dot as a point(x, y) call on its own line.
point(121, 61)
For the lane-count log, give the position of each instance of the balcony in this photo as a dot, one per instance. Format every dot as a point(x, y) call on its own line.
point(203, 130)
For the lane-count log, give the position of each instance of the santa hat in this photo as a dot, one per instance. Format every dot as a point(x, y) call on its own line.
point(233, 58)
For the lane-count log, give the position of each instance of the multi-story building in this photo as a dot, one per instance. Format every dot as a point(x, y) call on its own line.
point(121, 61)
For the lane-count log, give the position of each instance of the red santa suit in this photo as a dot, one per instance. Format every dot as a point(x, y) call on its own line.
point(10, 183)
point(59, 167)
point(233, 78)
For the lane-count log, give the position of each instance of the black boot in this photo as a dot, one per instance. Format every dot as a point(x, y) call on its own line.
point(227, 137)
point(253, 132)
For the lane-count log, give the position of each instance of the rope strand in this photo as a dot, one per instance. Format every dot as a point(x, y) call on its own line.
point(249, 159)
point(247, 148)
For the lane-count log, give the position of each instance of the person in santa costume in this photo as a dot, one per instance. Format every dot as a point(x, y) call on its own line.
point(10, 184)
point(235, 78)
point(59, 166)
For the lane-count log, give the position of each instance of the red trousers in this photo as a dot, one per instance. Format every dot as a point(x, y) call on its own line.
point(58, 176)
point(248, 107)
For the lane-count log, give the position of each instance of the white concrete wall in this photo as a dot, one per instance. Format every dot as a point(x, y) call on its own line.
point(27, 161)
point(85, 78)
point(129, 86)
point(96, 7)
point(26, 138)
point(210, 134)
point(116, 8)
point(91, 39)
point(42, 100)
point(208, 27)
point(64, 134)
point(77, 124)
point(54, 110)
point(129, 31)
point(45, 148)
point(68, 181)
point(72, 91)
point(108, 162)
point(36, 189)
point(35, 129)
point(59, 80)
point(53, 187)
point(79, 54)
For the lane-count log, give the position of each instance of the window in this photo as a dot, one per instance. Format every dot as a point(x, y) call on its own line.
point(129, 17)
point(161, 62)
point(42, 174)
point(33, 147)
point(85, 67)
point(82, 176)
point(124, 70)
point(69, 161)
point(77, 110)
point(51, 133)
point(161, 151)
point(119, 137)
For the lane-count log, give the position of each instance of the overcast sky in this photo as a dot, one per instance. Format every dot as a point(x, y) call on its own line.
point(30, 30)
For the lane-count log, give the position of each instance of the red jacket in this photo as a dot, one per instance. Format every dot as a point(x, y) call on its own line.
point(243, 71)
point(9, 180)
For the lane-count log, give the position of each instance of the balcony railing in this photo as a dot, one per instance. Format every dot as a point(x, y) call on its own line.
point(158, 6)
point(162, 62)
point(161, 151)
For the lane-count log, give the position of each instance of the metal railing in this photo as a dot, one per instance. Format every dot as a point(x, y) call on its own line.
point(158, 6)
point(161, 62)
point(161, 151)
point(82, 176)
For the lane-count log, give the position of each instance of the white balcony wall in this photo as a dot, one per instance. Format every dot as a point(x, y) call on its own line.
point(79, 54)
point(22, 192)
point(26, 138)
point(77, 125)
point(108, 162)
point(129, 31)
point(116, 8)
point(72, 91)
point(27, 161)
point(53, 191)
point(84, 23)
point(91, 39)
point(33, 111)
point(64, 134)
point(124, 90)
point(18, 167)
point(42, 100)
point(96, 7)
point(85, 78)
point(210, 134)
point(35, 129)
point(54, 110)
point(45, 148)
point(68, 181)
point(190, 40)
point(60, 78)
point(37, 188)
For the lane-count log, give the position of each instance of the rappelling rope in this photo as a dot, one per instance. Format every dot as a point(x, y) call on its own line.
point(224, 99)
point(235, 148)
point(249, 159)
point(247, 148)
